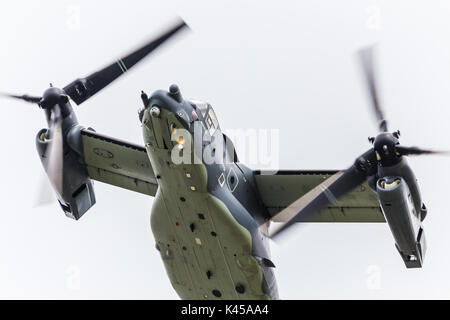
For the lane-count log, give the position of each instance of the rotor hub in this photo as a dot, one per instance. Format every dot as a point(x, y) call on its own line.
point(53, 96)
point(385, 147)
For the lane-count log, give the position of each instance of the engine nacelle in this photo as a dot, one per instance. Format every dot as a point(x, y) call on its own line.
point(399, 210)
point(78, 192)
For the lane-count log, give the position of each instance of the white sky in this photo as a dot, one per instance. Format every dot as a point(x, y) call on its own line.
point(262, 65)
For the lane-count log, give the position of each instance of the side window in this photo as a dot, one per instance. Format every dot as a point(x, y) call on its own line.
point(203, 107)
point(211, 121)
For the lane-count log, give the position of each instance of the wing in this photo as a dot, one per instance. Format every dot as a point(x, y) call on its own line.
point(280, 190)
point(118, 163)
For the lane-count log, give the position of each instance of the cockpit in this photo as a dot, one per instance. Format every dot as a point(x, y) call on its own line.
point(211, 124)
point(208, 116)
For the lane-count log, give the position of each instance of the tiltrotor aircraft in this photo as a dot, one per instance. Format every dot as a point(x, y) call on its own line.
point(210, 219)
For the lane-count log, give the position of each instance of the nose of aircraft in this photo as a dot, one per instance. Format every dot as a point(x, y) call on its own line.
point(162, 103)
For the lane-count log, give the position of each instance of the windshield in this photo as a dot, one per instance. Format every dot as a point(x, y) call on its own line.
point(202, 106)
point(208, 115)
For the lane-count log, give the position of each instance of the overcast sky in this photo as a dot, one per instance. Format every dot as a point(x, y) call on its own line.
point(262, 64)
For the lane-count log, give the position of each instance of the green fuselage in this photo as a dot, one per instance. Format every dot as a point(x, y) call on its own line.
point(205, 217)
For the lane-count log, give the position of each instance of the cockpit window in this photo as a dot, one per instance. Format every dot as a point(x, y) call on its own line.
point(211, 121)
point(202, 106)
point(208, 115)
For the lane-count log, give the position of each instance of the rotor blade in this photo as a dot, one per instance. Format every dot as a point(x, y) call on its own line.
point(415, 151)
point(54, 154)
point(25, 97)
point(327, 193)
point(366, 58)
point(82, 89)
